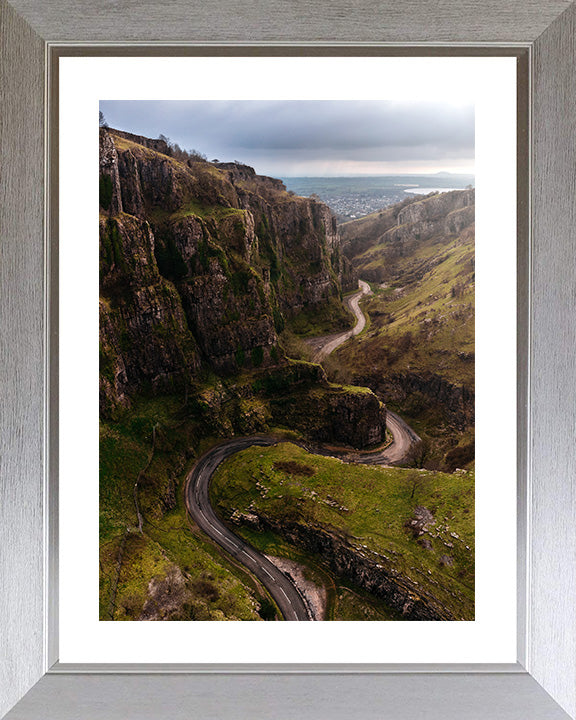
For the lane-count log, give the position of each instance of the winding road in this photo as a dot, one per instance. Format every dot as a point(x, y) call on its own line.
point(284, 592)
point(326, 344)
point(291, 603)
point(404, 438)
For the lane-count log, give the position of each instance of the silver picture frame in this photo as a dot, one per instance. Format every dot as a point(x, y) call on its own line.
point(542, 684)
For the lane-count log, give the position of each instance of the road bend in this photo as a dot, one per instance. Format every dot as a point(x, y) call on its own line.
point(280, 587)
point(403, 440)
point(403, 437)
point(291, 603)
point(326, 344)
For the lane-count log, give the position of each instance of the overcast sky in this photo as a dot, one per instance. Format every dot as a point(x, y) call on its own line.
point(311, 138)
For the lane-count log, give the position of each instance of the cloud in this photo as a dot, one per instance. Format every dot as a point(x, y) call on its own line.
point(285, 135)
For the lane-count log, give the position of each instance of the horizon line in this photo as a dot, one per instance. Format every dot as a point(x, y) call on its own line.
point(436, 174)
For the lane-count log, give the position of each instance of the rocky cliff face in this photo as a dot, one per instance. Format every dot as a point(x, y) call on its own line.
point(367, 569)
point(421, 392)
point(373, 243)
point(443, 214)
point(342, 415)
point(296, 395)
point(200, 264)
point(145, 341)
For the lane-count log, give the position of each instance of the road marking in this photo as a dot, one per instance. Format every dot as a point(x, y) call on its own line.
point(283, 593)
point(228, 541)
point(267, 573)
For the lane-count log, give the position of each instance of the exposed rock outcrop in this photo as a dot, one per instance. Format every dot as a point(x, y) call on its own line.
point(345, 416)
point(443, 214)
point(144, 338)
point(458, 401)
point(365, 568)
point(200, 264)
point(436, 207)
point(374, 243)
point(296, 395)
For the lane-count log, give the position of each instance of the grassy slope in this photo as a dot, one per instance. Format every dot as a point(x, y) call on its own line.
point(248, 403)
point(332, 317)
point(370, 504)
point(214, 589)
point(423, 321)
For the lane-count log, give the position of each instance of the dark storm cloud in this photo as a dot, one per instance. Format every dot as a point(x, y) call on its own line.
point(296, 134)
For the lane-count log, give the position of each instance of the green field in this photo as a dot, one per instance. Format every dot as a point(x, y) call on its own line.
point(371, 507)
point(193, 579)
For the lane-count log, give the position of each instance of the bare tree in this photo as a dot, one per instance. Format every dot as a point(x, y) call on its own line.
point(416, 481)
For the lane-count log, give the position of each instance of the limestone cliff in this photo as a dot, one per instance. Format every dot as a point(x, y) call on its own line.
point(145, 341)
point(200, 265)
point(374, 242)
point(419, 351)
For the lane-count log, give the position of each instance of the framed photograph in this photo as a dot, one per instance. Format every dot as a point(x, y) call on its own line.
point(249, 348)
point(308, 305)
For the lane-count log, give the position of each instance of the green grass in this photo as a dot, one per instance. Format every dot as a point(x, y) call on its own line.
point(330, 317)
point(194, 208)
point(425, 325)
point(369, 505)
point(352, 603)
point(354, 389)
point(215, 589)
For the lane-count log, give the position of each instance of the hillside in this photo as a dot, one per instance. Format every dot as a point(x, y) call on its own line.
point(207, 264)
point(406, 536)
point(418, 352)
point(202, 265)
point(208, 272)
point(377, 242)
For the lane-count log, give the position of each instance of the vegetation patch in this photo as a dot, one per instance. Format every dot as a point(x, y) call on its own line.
point(139, 567)
point(294, 468)
point(327, 318)
point(105, 187)
point(370, 507)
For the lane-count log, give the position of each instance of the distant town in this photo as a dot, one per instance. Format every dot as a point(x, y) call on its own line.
point(353, 197)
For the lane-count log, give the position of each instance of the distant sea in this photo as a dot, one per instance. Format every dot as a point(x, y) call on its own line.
point(353, 197)
point(425, 191)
